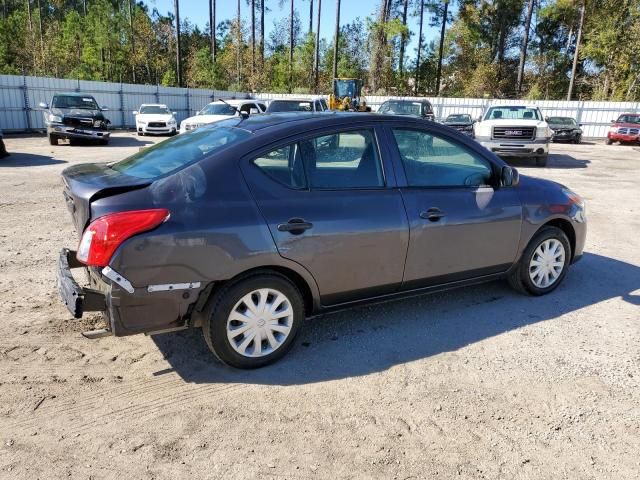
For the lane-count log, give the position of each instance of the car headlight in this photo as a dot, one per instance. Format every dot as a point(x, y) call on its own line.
point(97, 123)
point(574, 198)
point(55, 118)
point(172, 121)
point(613, 129)
point(141, 122)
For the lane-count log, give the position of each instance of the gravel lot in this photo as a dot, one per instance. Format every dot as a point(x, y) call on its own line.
point(477, 383)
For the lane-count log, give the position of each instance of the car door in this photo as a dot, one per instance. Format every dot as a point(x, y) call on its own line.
point(462, 225)
point(326, 200)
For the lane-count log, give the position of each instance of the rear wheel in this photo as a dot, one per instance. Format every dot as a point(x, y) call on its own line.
point(542, 160)
point(53, 140)
point(253, 321)
point(543, 264)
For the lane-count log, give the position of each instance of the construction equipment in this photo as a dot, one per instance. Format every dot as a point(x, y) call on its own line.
point(347, 95)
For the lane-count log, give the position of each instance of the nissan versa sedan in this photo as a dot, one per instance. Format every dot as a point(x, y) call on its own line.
point(245, 227)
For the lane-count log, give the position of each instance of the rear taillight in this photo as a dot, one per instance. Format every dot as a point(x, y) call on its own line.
point(105, 234)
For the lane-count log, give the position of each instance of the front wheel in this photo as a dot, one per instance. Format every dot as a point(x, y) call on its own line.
point(542, 160)
point(253, 322)
point(608, 141)
point(53, 140)
point(543, 264)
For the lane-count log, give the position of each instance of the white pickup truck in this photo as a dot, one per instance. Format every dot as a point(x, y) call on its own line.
point(515, 131)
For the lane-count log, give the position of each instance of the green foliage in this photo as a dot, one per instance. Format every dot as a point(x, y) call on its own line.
point(481, 48)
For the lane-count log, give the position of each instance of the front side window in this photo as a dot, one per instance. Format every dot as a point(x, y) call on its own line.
point(432, 161)
point(290, 106)
point(343, 160)
point(629, 119)
point(74, 101)
point(283, 165)
point(178, 152)
point(401, 108)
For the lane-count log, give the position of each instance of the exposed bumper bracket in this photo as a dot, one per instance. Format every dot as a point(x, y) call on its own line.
point(77, 299)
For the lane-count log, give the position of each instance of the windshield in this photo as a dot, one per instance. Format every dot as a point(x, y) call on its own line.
point(401, 108)
point(513, 113)
point(460, 118)
point(289, 106)
point(629, 119)
point(561, 121)
point(178, 152)
point(74, 101)
point(154, 109)
point(345, 88)
point(218, 109)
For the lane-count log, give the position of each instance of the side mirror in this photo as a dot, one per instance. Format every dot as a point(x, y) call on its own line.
point(174, 113)
point(135, 112)
point(509, 177)
point(580, 124)
point(44, 105)
point(546, 119)
point(479, 119)
point(104, 109)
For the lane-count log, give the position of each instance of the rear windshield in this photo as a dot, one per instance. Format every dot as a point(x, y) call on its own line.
point(74, 101)
point(177, 152)
point(513, 113)
point(289, 106)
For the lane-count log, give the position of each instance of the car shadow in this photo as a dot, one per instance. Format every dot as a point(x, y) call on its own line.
point(16, 159)
point(375, 338)
point(556, 160)
point(114, 141)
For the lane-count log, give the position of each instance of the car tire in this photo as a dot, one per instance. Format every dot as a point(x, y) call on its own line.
point(53, 140)
point(243, 299)
point(103, 142)
point(542, 160)
point(524, 276)
point(608, 141)
point(141, 134)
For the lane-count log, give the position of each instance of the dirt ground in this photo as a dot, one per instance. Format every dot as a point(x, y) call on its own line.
point(477, 383)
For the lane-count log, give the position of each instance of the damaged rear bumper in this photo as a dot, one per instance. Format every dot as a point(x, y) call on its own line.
point(77, 299)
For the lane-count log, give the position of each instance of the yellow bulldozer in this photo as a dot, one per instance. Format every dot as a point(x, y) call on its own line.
point(347, 96)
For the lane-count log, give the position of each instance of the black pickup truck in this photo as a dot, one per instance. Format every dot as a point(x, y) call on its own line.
point(75, 116)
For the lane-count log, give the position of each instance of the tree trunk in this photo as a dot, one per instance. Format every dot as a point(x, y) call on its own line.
point(262, 33)
point(336, 39)
point(442, 32)
point(317, 56)
point(29, 13)
point(523, 47)
point(291, 48)
point(416, 81)
point(238, 45)
point(253, 37)
point(133, 43)
point(212, 33)
point(176, 7)
point(576, 53)
point(403, 39)
point(310, 16)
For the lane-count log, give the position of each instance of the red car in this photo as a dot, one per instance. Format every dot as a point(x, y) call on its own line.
point(626, 129)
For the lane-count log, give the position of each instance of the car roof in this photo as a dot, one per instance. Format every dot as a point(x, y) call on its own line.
point(73, 94)
point(234, 101)
point(153, 105)
point(294, 99)
point(282, 120)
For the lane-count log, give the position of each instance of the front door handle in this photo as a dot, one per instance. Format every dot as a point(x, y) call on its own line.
point(295, 226)
point(433, 214)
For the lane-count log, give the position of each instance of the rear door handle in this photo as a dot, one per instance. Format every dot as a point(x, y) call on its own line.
point(295, 226)
point(433, 214)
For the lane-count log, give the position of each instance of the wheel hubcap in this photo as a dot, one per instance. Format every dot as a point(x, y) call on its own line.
point(547, 263)
point(260, 323)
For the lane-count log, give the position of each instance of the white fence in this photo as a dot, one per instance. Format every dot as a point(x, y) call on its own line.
point(20, 96)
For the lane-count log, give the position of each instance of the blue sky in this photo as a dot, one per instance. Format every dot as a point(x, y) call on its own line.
point(197, 11)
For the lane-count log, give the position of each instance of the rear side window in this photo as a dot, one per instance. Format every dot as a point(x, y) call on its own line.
point(284, 165)
point(178, 152)
point(343, 160)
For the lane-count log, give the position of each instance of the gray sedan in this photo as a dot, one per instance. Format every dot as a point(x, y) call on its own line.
point(245, 227)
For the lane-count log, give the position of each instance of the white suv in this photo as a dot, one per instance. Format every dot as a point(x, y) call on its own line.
point(221, 110)
point(515, 131)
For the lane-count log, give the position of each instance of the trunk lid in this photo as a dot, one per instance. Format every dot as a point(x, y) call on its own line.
point(86, 183)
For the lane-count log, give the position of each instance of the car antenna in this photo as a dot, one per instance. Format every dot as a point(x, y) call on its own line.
point(242, 114)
